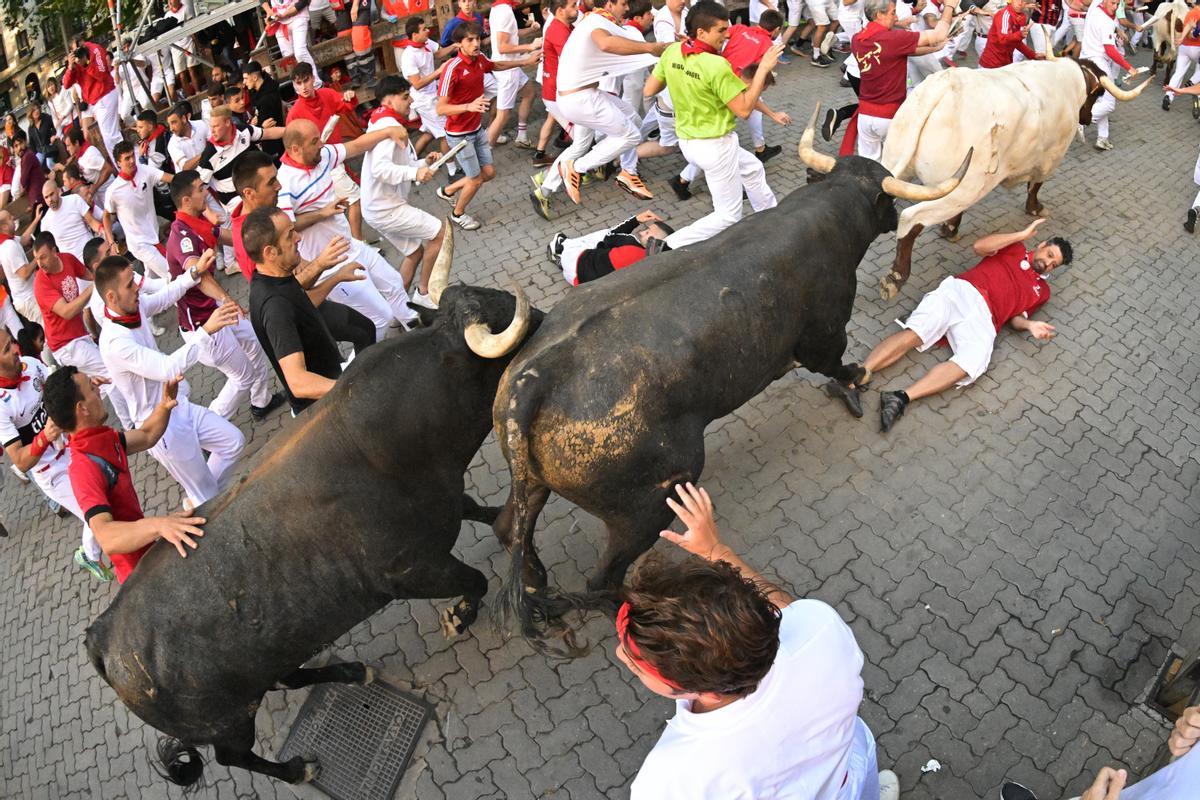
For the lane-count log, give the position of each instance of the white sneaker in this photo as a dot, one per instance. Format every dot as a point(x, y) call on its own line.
point(523, 142)
point(827, 43)
point(21, 476)
point(423, 300)
point(1103, 144)
point(501, 139)
point(465, 221)
point(889, 785)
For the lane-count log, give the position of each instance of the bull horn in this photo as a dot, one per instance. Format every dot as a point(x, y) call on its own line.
point(441, 267)
point(1049, 48)
point(818, 161)
point(1119, 93)
point(918, 193)
point(486, 344)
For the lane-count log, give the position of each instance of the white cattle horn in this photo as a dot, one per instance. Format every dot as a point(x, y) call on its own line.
point(486, 344)
point(1118, 92)
point(1048, 47)
point(818, 161)
point(441, 267)
point(920, 193)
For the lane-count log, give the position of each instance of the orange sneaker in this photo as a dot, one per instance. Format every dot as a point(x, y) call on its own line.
point(633, 184)
point(570, 179)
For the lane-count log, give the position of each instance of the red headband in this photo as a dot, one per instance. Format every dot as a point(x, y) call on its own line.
point(635, 655)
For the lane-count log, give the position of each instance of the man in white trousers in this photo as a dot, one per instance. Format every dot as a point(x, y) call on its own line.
point(1187, 57)
point(235, 350)
point(89, 66)
point(287, 20)
point(708, 98)
point(1100, 46)
point(139, 370)
point(34, 445)
point(307, 185)
point(511, 84)
point(130, 199)
point(388, 174)
point(597, 49)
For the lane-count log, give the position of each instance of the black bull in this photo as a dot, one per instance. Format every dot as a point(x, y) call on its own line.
point(607, 403)
point(357, 504)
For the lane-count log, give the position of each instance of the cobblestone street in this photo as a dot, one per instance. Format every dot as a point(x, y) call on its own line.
point(1016, 559)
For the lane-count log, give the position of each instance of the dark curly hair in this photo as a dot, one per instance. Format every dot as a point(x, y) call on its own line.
point(703, 625)
point(60, 395)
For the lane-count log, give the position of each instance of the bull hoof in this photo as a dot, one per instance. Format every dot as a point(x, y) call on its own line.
point(888, 288)
point(453, 625)
point(368, 676)
point(949, 234)
point(312, 769)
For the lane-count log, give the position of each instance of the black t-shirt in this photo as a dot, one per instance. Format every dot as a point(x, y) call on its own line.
point(285, 322)
point(267, 104)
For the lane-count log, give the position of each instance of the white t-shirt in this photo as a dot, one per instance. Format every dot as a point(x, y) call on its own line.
point(501, 19)
point(789, 740)
point(12, 258)
point(22, 415)
point(1099, 29)
point(419, 61)
point(182, 149)
point(133, 204)
point(91, 164)
point(62, 110)
point(582, 62)
point(303, 190)
point(665, 29)
point(71, 233)
point(388, 170)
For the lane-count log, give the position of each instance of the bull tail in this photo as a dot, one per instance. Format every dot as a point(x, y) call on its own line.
point(900, 157)
point(181, 763)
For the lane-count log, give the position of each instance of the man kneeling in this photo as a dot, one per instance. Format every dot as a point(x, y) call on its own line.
point(967, 311)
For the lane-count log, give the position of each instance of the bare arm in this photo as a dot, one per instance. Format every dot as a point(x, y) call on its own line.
point(995, 242)
point(529, 61)
point(356, 147)
point(620, 46)
point(129, 537)
point(743, 105)
point(310, 218)
point(938, 34)
point(70, 309)
point(300, 381)
point(348, 272)
point(26, 456)
point(27, 234)
point(653, 86)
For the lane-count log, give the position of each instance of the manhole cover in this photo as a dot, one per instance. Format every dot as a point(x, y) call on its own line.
point(363, 735)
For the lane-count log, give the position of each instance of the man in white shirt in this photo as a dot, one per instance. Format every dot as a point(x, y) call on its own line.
point(766, 688)
point(1100, 46)
point(510, 83)
point(131, 200)
point(598, 48)
point(307, 185)
point(139, 370)
point(19, 269)
point(92, 164)
point(388, 172)
point(70, 219)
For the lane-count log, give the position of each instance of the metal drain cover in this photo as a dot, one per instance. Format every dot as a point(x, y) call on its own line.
point(363, 735)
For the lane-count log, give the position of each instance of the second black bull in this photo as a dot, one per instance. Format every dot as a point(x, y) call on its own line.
point(607, 403)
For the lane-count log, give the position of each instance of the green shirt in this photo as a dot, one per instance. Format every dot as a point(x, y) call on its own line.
point(700, 85)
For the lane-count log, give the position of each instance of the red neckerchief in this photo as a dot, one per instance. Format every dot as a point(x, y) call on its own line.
point(465, 17)
point(13, 383)
point(86, 146)
point(126, 320)
point(635, 26)
point(4, 237)
point(406, 42)
point(606, 15)
point(1113, 15)
point(291, 162)
point(691, 47)
point(383, 112)
point(871, 30)
point(129, 176)
point(509, 3)
point(144, 145)
point(199, 226)
point(217, 143)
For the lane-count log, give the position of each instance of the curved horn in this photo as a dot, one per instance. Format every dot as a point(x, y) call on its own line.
point(441, 267)
point(818, 161)
point(1049, 48)
point(1118, 92)
point(486, 344)
point(919, 193)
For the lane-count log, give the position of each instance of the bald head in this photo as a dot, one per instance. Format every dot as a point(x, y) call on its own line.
point(51, 194)
point(302, 140)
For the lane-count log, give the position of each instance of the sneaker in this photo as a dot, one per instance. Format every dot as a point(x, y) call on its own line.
point(827, 43)
point(680, 187)
point(1166, 103)
point(891, 408)
point(570, 179)
point(99, 571)
point(260, 412)
point(655, 246)
point(821, 61)
point(633, 184)
point(1103, 144)
point(844, 82)
point(852, 398)
point(449, 198)
point(829, 126)
point(784, 58)
point(889, 785)
point(465, 221)
point(768, 152)
point(540, 159)
point(422, 300)
point(587, 178)
point(538, 179)
point(523, 142)
point(797, 50)
point(1190, 225)
point(541, 203)
point(21, 476)
point(554, 247)
point(501, 139)
point(1012, 791)
point(158, 330)
point(947, 62)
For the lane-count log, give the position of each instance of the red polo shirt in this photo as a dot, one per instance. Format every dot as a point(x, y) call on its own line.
point(96, 494)
point(745, 46)
point(1008, 284)
point(882, 55)
point(324, 104)
point(461, 83)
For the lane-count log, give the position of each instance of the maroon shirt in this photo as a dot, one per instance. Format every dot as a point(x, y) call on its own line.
point(195, 307)
point(33, 178)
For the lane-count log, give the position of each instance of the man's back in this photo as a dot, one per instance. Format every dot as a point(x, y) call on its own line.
point(790, 739)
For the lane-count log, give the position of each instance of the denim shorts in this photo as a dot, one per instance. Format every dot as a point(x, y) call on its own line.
point(476, 155)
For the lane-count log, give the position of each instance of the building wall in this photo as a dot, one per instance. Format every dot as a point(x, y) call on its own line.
point(44, 57)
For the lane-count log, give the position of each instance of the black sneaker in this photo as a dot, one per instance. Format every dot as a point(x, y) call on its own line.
point(1166, 104)
point(891, 408)
point(679, 187)
point(554, 247)
point(562, 141)
point(821, 60)
point(540, 159)
point(1190, 225)
point(829, 126)
point(260, 412)
point(768, 152)
point(1015, 791)
point(851, 397)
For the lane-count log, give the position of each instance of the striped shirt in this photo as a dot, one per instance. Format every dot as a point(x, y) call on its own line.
point(304, 189)
point(216, 162)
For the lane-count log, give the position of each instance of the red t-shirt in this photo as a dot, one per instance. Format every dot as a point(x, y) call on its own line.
point(1008, 284)
point(745, 46)
point(1005, 37)
point(245, 262)
point(96, 494)
point(882, 55)
point(555, 38)
point(319, 108)
point(48, 290)
point(461, 83)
